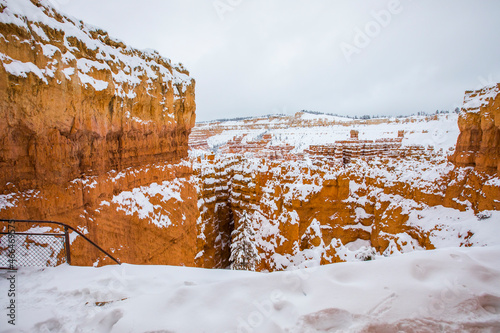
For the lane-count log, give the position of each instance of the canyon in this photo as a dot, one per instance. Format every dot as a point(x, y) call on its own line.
point(370, 189)
point(102, 136)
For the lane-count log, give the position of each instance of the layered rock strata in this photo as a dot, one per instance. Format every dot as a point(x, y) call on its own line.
point(76, 101)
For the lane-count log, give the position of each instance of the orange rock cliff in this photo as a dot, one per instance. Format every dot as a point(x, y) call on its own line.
point(87, 120)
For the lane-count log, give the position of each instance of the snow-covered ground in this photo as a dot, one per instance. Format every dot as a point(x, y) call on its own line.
point(439, 133)
point(446, 290)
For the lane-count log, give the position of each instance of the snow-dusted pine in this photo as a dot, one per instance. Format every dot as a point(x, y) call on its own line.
point(244, 254)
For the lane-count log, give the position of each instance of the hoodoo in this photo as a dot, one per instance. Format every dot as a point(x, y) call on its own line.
point(105, 173)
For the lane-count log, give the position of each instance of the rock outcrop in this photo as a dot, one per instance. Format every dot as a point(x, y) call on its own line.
point(87, 120)
point(479, 142)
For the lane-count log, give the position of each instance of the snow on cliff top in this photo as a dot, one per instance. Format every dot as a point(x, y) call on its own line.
point(447, 290)
point(319, 116)
point(132, 64)
point(474, 100)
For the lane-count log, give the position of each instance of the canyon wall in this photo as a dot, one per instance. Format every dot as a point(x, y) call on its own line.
point(214, 182)
point(87, 121)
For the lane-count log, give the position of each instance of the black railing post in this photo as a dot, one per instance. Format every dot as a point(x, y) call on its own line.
point(67, 245)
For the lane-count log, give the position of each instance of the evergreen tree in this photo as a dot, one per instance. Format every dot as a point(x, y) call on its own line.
point(244, 254)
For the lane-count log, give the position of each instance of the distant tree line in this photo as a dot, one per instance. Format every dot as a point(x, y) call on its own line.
point(241, 118)
point(366, 116)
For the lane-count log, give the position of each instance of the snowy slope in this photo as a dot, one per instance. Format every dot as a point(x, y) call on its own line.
point(447, 290)
point(312, 116)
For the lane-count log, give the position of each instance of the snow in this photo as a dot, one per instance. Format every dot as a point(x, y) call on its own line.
point(138, 201)
point(141, 121)
point(12, 200)
point(452, 228)
point(311, 116)
point(358, 244)
point(439, 134)
point(97, 84)
point(86, 65)
point(493, 182)
point(49, 50)
point(7, 201)
point(19, 68)
point(39, 31)
point(448, 290)
point(219, 140)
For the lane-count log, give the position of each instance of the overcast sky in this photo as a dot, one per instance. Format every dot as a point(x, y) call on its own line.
point(255, 57)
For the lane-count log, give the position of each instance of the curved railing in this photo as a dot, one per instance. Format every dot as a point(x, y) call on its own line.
point(52, 241)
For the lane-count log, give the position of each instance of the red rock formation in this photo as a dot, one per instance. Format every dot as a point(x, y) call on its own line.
point(88, 120)
point(95, 132)
point(479, 142)
point(345, 151)
point(142, 215)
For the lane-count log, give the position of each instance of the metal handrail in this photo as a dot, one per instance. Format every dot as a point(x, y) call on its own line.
point(66, 236)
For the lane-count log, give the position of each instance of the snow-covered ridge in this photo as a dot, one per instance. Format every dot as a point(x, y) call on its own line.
point(81, 50)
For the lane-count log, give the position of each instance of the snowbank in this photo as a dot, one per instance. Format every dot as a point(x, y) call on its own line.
point(447, 290)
